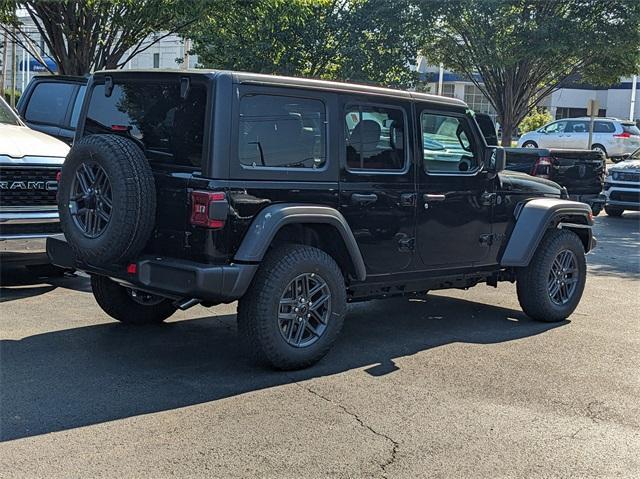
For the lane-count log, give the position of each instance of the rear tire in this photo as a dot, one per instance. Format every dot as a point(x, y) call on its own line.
point(545, 295)
point(614, 210)
point(119, 303)
point(599, 147)
point(266, 317)
point(529, 144)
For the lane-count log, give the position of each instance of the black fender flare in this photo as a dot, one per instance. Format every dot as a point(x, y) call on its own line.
point(268, 222)
point(534, 218)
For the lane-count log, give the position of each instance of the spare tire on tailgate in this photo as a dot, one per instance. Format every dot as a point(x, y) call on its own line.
point(107, 199)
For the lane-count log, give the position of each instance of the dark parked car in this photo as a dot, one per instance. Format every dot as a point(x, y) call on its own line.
point(295, 197)
point(51, 104)
point(581, 172)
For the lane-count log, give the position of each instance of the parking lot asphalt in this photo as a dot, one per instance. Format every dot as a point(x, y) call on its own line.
point(461, 384)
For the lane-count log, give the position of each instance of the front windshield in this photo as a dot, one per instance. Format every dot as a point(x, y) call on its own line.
point(7, 116)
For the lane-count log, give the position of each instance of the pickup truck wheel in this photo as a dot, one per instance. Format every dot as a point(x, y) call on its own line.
point(294, 309)
point(129, 306)
point(550, 288)
point(613, 210)
point(106, 199)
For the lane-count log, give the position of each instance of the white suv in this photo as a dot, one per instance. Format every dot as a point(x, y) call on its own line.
point(615, 138)
point(622, 186)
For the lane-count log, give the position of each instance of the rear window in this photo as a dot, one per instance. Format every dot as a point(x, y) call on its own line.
point(49, 103)
point(170, 129)
point(604, 127)
point(631, 129)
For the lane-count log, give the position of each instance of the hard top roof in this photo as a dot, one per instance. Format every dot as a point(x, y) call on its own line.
point(275, 80)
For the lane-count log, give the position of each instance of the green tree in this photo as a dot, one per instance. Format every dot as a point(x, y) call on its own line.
point(519, 51)
point(535, 119)
point(88, 35)
point(357, 40)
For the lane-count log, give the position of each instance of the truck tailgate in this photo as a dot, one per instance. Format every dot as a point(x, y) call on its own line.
point(580, 171)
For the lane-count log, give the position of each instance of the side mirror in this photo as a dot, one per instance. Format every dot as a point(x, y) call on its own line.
point(495, 159)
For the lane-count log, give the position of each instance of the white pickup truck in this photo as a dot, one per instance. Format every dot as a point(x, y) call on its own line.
point(30, 162)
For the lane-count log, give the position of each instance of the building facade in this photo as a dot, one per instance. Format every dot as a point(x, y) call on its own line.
point(169, 52)
point(569, 101)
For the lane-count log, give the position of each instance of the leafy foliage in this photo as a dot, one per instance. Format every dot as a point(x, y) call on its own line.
point(358, 40)
point(89, 35)
point(519, 51)
point(536, 118)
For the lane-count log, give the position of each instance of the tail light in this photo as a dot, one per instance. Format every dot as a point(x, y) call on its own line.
point(209, 209)
point(542, 168)
point(624, 134)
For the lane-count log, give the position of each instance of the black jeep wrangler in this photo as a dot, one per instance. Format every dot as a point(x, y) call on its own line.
point(295, 197)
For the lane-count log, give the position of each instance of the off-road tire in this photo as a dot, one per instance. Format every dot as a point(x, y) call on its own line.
point(117, 303)
point(614, 210)
point(532, 281)
point(258, 309)
point(133, 198)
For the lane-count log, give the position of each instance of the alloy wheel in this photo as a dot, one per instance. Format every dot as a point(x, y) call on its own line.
point(563, 277)
point(304, 310)
point(91, 201)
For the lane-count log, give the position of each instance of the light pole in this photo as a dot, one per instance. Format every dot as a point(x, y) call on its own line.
point(632, 107)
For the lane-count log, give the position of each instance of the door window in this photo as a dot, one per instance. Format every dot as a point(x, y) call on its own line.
point(49, 103)
point(557, 127)
point(282, 132)
point(446, 143)
point(375, 138)
point(577, 127)
point(75, 114)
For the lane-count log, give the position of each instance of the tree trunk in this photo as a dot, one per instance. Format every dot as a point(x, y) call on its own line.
point(507, 133)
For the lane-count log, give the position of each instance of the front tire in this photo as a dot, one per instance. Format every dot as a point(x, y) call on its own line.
point(294, 309)
point(614, 210)
point(129, 306)
point(529, 144)
point(550, 287)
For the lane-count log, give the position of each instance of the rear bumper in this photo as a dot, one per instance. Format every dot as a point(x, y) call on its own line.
point(591, 199)
point(169, 277)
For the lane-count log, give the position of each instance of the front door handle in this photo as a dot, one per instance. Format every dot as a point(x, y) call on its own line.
point(428, 198)
point(364, 199)
point(431, 198)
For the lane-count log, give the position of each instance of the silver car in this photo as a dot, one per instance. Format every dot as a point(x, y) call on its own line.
point(615, 138)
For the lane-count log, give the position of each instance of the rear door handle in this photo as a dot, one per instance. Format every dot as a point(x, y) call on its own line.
point(431, 198)
point(363, 199)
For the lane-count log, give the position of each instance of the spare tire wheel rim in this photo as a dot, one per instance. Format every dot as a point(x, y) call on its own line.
point(91, 201)
point(563, 277)
point(304, 310)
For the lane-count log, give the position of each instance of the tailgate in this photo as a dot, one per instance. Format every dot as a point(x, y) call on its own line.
point(580, 171)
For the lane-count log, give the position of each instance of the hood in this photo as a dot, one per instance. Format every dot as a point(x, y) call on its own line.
point(626, 165)
point(20, 141)
point(522, 183)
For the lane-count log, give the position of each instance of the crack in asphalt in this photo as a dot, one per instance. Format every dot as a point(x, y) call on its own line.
point(395, 444)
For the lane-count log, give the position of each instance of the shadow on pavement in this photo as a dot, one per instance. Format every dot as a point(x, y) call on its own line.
point(77, 377)
point(618, 249)
point(22, 282)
